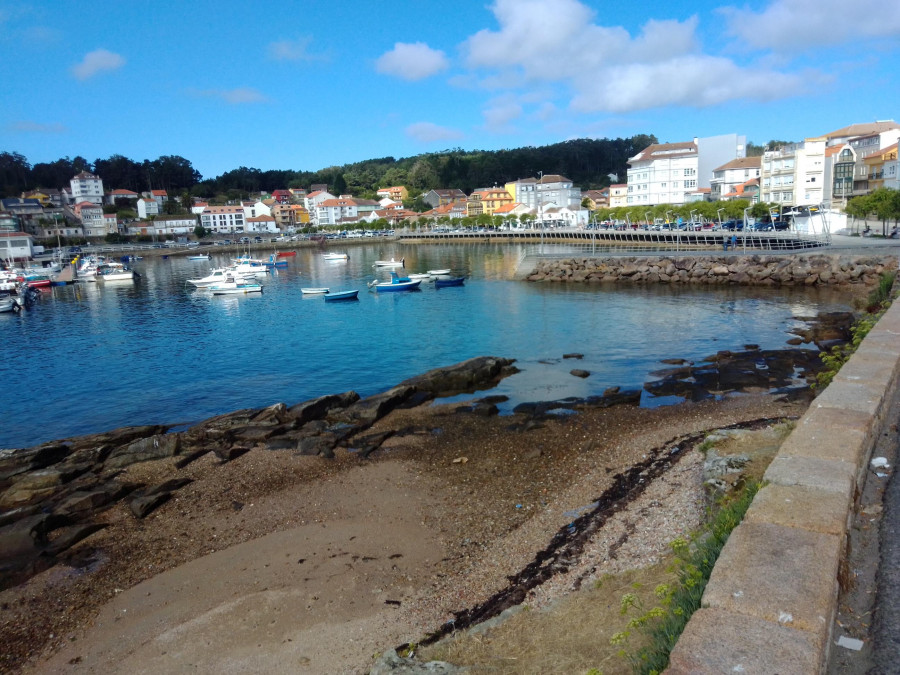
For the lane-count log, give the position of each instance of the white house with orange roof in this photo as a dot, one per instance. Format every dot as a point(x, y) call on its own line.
point(223, 219)
point(337, 212)
point(256, 209)
point(111, 197)
point(110, 223)
point(197, 207)
point(312, 201)
point(261, 224)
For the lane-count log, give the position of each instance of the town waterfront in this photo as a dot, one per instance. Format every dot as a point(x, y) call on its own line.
point(91, 357)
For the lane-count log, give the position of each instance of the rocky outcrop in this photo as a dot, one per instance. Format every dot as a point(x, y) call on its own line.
point(51, 495)
point(744, 270)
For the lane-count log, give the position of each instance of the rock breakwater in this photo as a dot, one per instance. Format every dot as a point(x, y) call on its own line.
point(744, 270)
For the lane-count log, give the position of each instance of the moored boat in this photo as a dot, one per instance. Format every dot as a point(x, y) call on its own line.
point(204, 256)
point(221, 274)
point(449, 281)
point(313, 291)
point(395, 284)
point(235, 286)
point(438, 273)
point(341, 295)
point(335, 256)
point(423, 276)
point(114, 272)
point(389, 263)
point(286, 254)
point(8, 304)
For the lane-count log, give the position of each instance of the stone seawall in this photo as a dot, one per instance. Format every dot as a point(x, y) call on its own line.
point(744, 270)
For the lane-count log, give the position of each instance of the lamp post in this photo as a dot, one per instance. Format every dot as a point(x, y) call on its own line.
point(719, 215)
point(692, 218)
point(537, 198)
point(668, 221)
point(647, 216)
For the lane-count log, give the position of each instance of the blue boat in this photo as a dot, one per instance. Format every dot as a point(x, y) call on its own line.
point(341, 295)
point(452, 281)
point(395, 285)
point(275, 261)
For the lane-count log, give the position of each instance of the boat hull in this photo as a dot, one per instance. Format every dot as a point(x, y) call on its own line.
point(444, 283)
point(341, 295)
point(397, 287)
point(313, 291)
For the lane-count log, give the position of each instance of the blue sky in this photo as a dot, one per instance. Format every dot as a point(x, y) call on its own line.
point(306, 85)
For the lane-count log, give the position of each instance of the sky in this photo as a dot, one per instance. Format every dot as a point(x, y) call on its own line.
point(308, 85)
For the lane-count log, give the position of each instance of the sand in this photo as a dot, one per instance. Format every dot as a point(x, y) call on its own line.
point(281, 563)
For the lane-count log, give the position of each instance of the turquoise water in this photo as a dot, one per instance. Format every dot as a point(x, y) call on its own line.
point(93, 357)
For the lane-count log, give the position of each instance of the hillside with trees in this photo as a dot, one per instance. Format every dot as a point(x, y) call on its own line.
point(587, 162)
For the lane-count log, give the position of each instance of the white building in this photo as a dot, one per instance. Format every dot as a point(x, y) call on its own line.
point(794, 175)
point(174, 225)
point(147, 208)
point(255, 209)
point(15, 245)
point(110, 223)
point(546, 191)
point(736, 172)
point(312, 201)
point(676, 173)
point(337, 212)
point(91, 217)
point(618, 195)
point(223, 219)
point(86, 187)
point(259, 224)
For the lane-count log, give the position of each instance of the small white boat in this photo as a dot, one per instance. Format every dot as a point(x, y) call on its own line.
point(235, 286)
point(389, 263)
point(335, 256)
point(421, 276)
point(438, 273)
point(313, 291)
point(8, 304)
point(218, 275)
point(114, 272)
point(205, 256)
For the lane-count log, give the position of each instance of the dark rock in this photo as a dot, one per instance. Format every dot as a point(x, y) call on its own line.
point(573, 356)
point(499, 398)
point(577, 372)
point(318, 408)
point(371, 409)
point(317, 445)
point(145, 449)
point(674, 362)
point(15, 461)
point(169, 486)
point(367, 444)
point(281, 443)
point(230, 452)
point(254, 434)
point(795, 341)
point(751, 347)
point(86, 501)
point(273, 415)
point(417, 399)
point(485, 409)
point(611, 390)
point(191, 457)
point(142, 506)
point(67, 537)
point(482, 372)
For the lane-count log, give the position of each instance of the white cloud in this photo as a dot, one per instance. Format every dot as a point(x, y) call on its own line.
point(500, 112)
point(557, 43)
point(696, 81)
point(96, 62)
point(234, 96)
point(32, 127)
point(428, 132)
point(794, 25)
point(292, 50)
point(412, 61)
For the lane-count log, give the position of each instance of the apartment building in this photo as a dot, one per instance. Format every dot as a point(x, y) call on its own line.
point(794, 174)
point(86, 187)
point(223, 219)
point(727, 177)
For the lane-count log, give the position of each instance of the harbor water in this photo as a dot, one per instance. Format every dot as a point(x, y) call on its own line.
point(92, 357)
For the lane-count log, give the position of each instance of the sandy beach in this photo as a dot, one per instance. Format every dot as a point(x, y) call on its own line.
point(278, 562)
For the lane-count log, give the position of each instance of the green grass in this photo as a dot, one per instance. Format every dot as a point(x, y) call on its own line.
point(694, 561)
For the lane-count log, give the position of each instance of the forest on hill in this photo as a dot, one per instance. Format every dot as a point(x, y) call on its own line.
point(589, 163)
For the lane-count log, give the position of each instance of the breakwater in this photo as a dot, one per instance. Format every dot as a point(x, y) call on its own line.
point(743, 270)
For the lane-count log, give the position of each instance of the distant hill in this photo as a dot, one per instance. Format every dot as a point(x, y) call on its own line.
point(587, 162)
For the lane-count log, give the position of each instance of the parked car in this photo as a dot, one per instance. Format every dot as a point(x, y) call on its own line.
point(735, 225)
point(763, 226)
point(781, 225)
point(245, 240)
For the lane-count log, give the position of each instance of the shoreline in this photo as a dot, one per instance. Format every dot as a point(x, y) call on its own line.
point(453, 528)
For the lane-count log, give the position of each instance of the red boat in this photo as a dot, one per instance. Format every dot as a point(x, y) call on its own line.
point(37, 283)
point(286, 254)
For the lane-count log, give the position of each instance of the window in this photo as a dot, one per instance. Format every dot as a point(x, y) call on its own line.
point(690, 183)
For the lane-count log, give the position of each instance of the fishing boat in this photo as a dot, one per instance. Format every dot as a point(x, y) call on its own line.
point(449, 281)
point(395, 284)
point(204, 256)
point(389, 263)
point(313, 291)
point(274, 261)
point(341, 295)
point(335, 256)
point(286, 254)
point(438, 273)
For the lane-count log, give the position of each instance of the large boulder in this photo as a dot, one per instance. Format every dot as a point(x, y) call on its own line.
point(481, 372)
point(318, 408)
point(144, 450)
